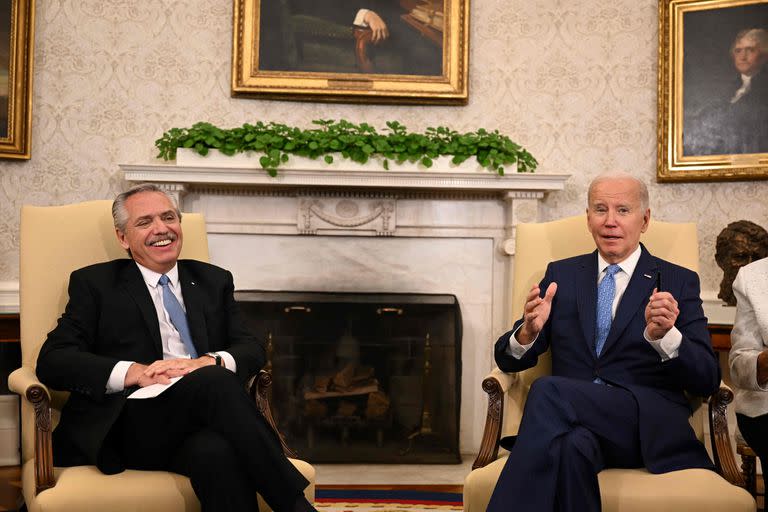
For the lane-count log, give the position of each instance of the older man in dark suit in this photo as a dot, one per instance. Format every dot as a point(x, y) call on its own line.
point(625, 350)
point(133, 323)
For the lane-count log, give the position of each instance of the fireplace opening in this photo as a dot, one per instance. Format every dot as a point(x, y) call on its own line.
point(362, 377)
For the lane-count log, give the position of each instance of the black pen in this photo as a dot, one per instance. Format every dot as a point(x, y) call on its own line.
point(658, 282)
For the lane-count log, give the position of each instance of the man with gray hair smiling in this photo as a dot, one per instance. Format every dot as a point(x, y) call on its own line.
point(131, 323)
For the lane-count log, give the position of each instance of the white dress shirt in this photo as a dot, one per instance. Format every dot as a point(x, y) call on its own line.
point(359, 18)
point(667, 347)
point(173, 347)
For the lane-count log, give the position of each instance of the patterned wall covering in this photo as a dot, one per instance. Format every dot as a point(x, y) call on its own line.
point(572, 80)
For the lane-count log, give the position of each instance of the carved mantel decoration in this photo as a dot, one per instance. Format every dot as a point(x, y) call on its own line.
point(352, 215)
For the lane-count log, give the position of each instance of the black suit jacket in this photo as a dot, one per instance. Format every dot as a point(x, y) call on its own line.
point(111, 317)
point(627, 360)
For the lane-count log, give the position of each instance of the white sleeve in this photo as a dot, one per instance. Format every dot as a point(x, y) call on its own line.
point(517, 350)
point(116, 381)
point(228, 360)
point(360, 17)
point(668, 345)
point(746, 338)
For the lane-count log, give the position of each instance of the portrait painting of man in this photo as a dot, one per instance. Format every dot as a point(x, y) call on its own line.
point(395, 37)
point(725, 81)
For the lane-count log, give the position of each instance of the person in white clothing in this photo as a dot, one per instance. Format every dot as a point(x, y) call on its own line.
point(748, 358)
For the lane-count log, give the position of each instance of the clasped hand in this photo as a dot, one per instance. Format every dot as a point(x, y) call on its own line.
point(161, 372)
point(660, 314)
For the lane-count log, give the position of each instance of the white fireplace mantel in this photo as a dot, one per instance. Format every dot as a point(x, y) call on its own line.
point(317, 228)
point(308, 174)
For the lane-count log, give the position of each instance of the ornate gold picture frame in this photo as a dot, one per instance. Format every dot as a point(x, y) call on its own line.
point(377, 51)
point(17, 21)
point(713, 90)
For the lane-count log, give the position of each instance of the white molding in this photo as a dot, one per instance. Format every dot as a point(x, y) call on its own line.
point(9, 296)
point(311, 174)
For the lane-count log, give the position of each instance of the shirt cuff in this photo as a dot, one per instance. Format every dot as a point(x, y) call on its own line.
point(515, 349)
point(667, 346)
point(116, 381)
point(359, 18)
point(228, 360)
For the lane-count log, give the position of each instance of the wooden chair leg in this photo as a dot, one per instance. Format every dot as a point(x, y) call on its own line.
point(748, 467)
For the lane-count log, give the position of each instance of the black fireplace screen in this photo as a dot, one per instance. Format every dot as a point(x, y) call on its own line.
point(372, 378)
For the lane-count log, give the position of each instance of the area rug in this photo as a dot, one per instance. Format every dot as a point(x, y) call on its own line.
point(385, 500)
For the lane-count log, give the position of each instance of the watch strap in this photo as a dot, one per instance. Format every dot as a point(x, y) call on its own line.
point(216, 357)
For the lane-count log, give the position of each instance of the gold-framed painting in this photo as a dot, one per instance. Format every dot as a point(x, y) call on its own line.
point(713, 90)
point(373, 51)
point(17, 21)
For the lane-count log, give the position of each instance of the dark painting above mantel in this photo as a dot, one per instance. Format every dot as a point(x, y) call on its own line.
point(362, 378)
point(379, 51)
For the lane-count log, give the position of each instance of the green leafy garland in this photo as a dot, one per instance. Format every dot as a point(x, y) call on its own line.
point(354, 142)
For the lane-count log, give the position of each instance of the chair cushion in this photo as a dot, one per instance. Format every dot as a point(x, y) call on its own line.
point(635, 490)
point(85, 488)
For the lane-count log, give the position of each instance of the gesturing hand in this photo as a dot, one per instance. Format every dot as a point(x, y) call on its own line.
point(660, 314)
point(536, 313)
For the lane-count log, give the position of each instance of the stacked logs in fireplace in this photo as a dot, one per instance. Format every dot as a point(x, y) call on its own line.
point(349, 399)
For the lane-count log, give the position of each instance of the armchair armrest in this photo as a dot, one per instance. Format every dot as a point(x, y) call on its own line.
point(497, 384)
point(725, 461)
point(23, 379)
point(260, 390)
point(24, 382)
point(505, 380)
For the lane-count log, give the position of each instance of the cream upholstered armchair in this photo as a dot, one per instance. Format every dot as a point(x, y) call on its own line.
point(622, 490)
point(54, 242)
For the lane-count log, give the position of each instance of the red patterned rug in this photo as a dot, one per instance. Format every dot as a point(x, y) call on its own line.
point(386, 499)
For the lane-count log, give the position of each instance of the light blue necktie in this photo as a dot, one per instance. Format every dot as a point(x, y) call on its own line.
point(605, 293)
point(177, 314)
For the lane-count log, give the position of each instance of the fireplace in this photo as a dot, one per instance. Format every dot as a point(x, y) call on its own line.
point(363, 377)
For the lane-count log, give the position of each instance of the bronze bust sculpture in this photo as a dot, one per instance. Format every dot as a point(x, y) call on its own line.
point(741, 242)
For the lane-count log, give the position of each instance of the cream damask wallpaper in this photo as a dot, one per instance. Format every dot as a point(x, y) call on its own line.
point(574, 81)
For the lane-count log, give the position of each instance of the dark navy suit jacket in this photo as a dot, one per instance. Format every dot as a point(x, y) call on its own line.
point(667, 441)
